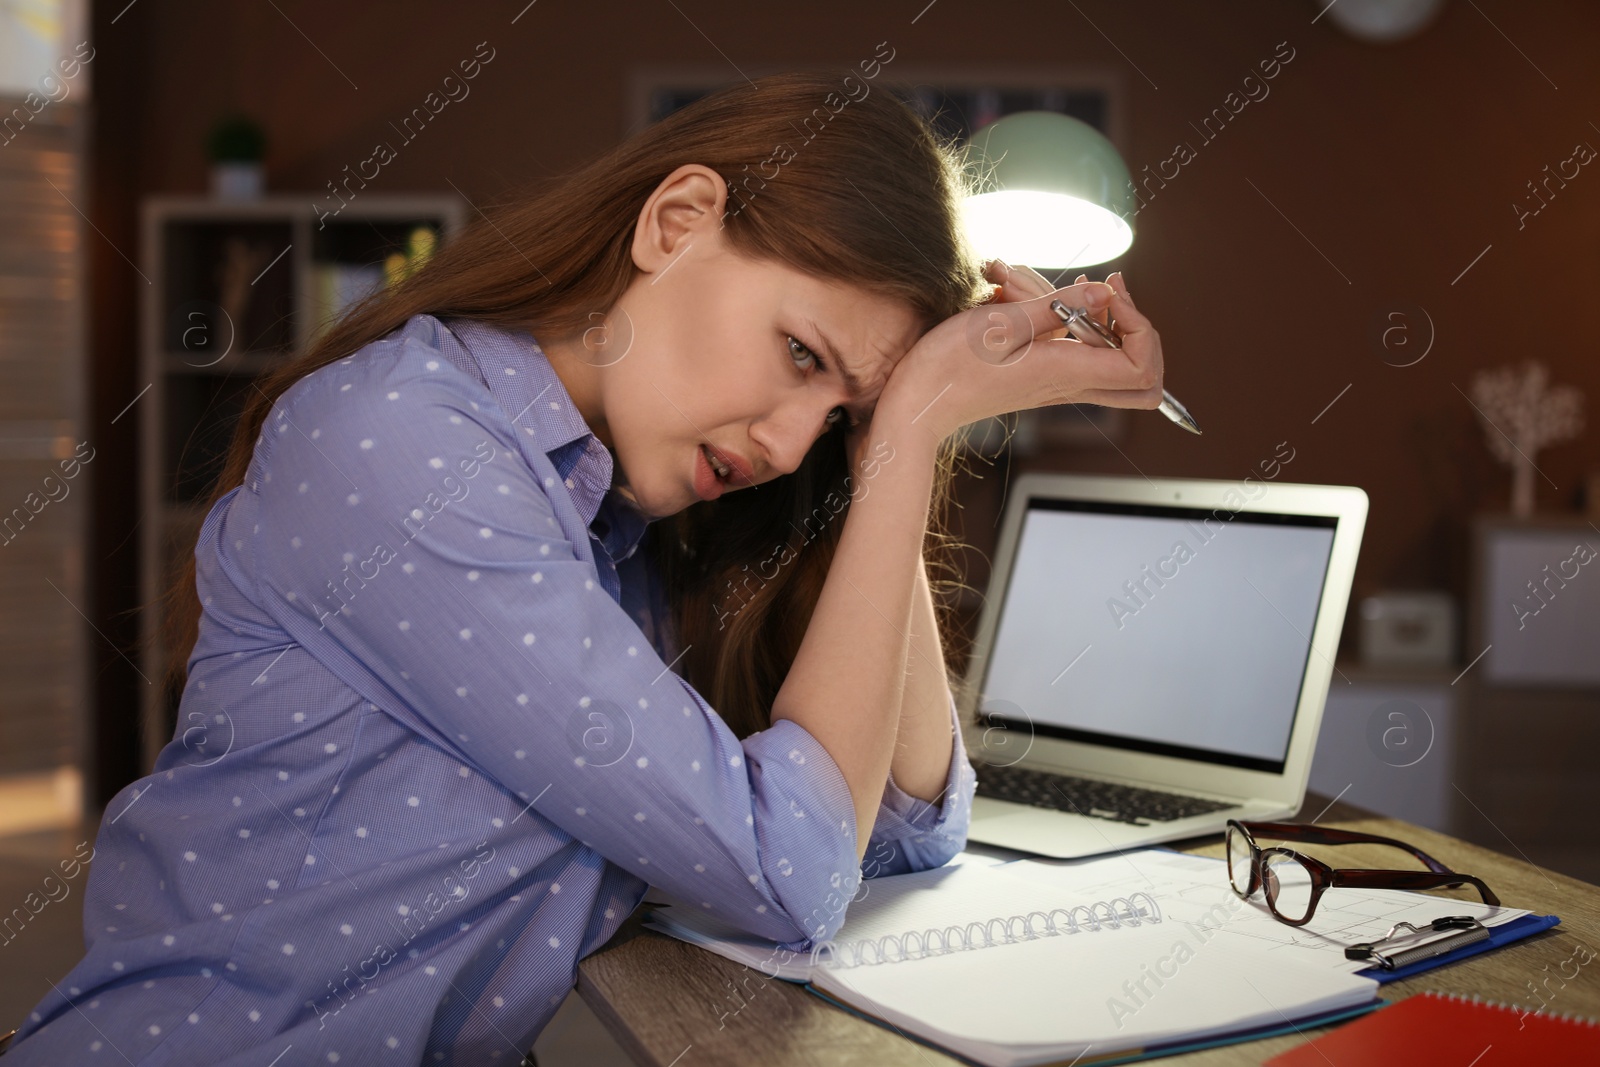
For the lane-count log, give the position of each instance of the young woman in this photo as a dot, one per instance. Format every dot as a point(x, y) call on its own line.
point(590, 557)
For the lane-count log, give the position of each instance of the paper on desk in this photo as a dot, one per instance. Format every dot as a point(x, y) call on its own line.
point(1194, 891)
point(1048, 1000)
point(955, 893)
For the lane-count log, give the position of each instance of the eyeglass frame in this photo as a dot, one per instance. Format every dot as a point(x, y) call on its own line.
point(1325, 877)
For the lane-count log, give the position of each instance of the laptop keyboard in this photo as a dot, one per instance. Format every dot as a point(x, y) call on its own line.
point(1086, 796)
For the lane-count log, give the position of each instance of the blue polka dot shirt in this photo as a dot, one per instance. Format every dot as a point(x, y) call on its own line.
point(432, 749)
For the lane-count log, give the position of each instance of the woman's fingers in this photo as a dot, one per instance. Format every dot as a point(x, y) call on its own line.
point(1139, 337)
point(1120, 284)
point(1019, 283)
point(1078, 295)
point(1036, 285)
point(1025, 289)
point(1122, 398)
point(1019, 364)
point(1128, 319)
point(1131, 378)
point(1089, 335)
point(1093, 368)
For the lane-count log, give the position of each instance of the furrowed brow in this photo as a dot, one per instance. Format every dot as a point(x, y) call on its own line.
point(856, 386)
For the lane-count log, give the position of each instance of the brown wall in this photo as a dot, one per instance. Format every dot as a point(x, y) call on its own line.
point(1399, 164)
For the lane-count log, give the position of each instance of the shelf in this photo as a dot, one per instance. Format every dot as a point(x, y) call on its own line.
point(241, 289)
point(227, 283)
point(363, 240)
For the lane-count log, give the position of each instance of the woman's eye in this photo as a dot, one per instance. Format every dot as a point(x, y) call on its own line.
point(805, 353)
point(838, 414)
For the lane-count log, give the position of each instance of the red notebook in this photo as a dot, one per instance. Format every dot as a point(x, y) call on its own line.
point(1431, 1029)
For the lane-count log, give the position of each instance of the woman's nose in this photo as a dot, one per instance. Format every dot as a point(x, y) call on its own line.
point(788, 434)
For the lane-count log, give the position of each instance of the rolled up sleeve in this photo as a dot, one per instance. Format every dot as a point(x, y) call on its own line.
point(912, 834)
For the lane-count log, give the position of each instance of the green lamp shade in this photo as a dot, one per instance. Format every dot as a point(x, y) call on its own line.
point(1054, 193)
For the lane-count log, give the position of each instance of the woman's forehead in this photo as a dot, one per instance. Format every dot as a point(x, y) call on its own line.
point(864, 333)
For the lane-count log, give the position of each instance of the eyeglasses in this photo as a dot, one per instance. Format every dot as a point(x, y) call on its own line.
point(1293, 883)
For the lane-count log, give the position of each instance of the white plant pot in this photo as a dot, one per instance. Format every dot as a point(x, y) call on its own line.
point(236, 181)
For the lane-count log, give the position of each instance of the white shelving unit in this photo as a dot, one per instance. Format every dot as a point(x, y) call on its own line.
point(198, 357)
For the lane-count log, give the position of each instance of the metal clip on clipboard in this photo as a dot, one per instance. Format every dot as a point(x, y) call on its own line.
point(1395, 950)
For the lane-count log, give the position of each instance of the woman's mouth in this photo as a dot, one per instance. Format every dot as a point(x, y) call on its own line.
point(724, 471)
point(711, 475)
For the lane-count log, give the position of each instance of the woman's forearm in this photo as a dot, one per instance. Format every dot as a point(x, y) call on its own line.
point(848, 679)
point(922, 750)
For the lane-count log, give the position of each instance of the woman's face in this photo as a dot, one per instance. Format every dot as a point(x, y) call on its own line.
point(706, 350)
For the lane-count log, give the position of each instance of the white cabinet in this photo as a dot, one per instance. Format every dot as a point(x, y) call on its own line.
point(1390, 742)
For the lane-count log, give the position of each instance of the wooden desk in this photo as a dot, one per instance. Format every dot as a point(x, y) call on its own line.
point(667, 1002)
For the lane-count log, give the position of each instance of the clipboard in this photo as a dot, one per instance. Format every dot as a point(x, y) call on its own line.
point(1504, 934)
point(1438, 938)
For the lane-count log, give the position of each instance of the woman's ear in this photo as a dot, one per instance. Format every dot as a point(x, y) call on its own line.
point(685, 208)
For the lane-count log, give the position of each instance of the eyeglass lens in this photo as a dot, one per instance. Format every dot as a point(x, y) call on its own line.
point(1238, 860)
point(1288, 885)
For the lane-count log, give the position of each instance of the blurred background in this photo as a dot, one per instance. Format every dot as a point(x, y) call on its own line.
point(1366, 231)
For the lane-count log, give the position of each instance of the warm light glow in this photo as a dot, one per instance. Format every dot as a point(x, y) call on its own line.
point(1046, 231)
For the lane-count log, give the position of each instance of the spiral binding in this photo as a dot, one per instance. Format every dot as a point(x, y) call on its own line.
point(935, 941)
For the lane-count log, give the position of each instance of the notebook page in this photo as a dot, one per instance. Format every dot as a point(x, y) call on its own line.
point(971, 891)
point(879, 904)
point(945, 897)
point(1041, 1001)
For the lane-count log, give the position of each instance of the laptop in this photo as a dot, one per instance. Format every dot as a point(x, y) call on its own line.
point(1153, 657)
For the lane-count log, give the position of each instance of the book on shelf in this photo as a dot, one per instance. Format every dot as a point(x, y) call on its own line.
point(336, 286)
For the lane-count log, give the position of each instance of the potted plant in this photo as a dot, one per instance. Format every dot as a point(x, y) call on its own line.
point(236, 146)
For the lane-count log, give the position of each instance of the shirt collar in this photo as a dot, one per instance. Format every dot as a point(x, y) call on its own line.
point(519, 375)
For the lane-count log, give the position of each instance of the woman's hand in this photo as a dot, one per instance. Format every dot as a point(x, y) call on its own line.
point(1013, 353)
point(858, 441)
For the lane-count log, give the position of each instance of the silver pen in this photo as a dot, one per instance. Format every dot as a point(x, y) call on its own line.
point(1075, 320)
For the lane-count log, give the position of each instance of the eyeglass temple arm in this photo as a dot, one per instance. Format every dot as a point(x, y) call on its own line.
point(1327, 835)
point(1374, 879)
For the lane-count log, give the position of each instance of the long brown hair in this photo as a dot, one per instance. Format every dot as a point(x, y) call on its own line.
point(827, 174)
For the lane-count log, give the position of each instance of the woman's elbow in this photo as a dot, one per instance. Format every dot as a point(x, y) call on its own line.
point(920, 852)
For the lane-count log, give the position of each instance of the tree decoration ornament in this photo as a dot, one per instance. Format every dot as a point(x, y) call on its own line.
point(1523, 413)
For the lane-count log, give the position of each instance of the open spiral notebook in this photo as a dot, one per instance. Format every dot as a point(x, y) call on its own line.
point(1025, 964)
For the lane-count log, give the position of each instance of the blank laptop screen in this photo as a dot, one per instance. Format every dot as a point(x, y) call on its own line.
point(1179, 631)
